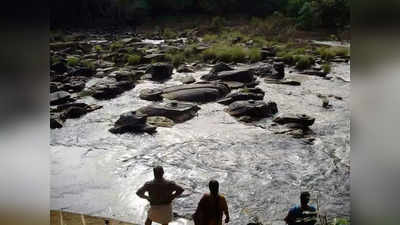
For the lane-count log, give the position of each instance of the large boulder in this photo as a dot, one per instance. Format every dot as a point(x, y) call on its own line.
point(59, 67)
point(215, 70)
point(253, 109)
point(160, 71)
point(130, 122)
point(197, 92)
point(178, 112)
point(246, 94)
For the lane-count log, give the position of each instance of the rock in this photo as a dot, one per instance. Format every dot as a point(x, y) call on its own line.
point(314, 73)
point(160, 71)
point(60, 97)
point(267, 52)
point(248, 94)
point(188, 80)
point(151, 94)
point(236, 84)
point(82, 72)
point(160, 121)
point(241, 75)
point(154, 57)
point(129, 40)
point(301, 119)
point(123, 75)
point(283, 81)
point(59, 67)
point(108, 89)
point(75, 112)
point(197, 92)
point(254, 109)
point(274, 71)
point(215, 70)
point(54, 86)
point(73, 86)
point(325, 103)
point(185, 69)
point(178, 112)
point(130, 122)
point(55, 121)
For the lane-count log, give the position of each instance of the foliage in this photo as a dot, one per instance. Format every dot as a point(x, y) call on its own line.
point(133, 59)
point(169, 33)
point(176, 59)
point(116, 46)
point(326, 68)
point(72, 61)
point(88, 64)
point(328, 53)
point(340, 221)
point(303, 61)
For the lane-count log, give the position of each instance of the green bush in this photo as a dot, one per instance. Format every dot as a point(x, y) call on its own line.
point(169, 34)
point(254, 55)
point(328, 53)
point(176, 59)
point(133, 59)
point(98, 48)
point(326, 68)
point(217, 23)
point(303, 61)
point(72, 61)
point(116, 46)
point(88, 64)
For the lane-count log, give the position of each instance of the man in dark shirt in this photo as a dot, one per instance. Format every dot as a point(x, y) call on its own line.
point(161, 193)
point(303, 214)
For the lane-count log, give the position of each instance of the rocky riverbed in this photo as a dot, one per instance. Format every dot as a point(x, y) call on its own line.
point(265, 130)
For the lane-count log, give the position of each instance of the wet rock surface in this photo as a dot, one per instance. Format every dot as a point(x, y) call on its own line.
point(160, 71)
point(131, 122)
point(178, 112)
point(253, 109)
point(109, 88)
point(198, 92)
point(247, 94)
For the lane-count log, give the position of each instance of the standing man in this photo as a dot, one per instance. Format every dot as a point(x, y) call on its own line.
point(303, 214)
point(161, 192)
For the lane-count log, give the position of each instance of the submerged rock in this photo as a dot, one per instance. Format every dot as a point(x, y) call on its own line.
point(188, 80)
point(198, 92)
point(254, 109)
point(178, 112)
point(185, 69)
point(131, 122)
point(314, 73)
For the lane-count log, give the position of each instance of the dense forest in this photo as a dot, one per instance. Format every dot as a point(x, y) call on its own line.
point(308, 14)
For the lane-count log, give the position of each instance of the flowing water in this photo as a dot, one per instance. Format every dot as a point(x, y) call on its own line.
point(261, 173)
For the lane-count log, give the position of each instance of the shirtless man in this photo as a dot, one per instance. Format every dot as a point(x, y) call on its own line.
point(161, 193)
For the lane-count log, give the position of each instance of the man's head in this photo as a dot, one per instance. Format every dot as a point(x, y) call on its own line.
point(158, 172)
point(214, 187)
point(304, 198)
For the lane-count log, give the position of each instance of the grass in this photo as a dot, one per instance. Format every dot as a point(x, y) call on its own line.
point(326, 68)
point(254, 55)
point(88, 64)
point(133, 59)
point(169, 34)
point(224, 53)
point(340, 221)
point(176, 59)
point(73, 61)
point(116, 46)
point(328, 53)
point(98, 48)
point(303, 61)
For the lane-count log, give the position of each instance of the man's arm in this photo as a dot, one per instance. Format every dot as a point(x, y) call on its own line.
point(289, 219)
point(141, 192)
point(178, 191)
point(226, 211)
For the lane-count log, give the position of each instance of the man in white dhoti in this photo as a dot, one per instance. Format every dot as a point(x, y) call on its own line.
point(161, 193)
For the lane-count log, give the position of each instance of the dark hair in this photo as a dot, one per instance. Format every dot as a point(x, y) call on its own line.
point(158, 172)
point(214, 187)
point(304, 194)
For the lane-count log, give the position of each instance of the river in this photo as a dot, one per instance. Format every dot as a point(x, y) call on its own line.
point(261, 173)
